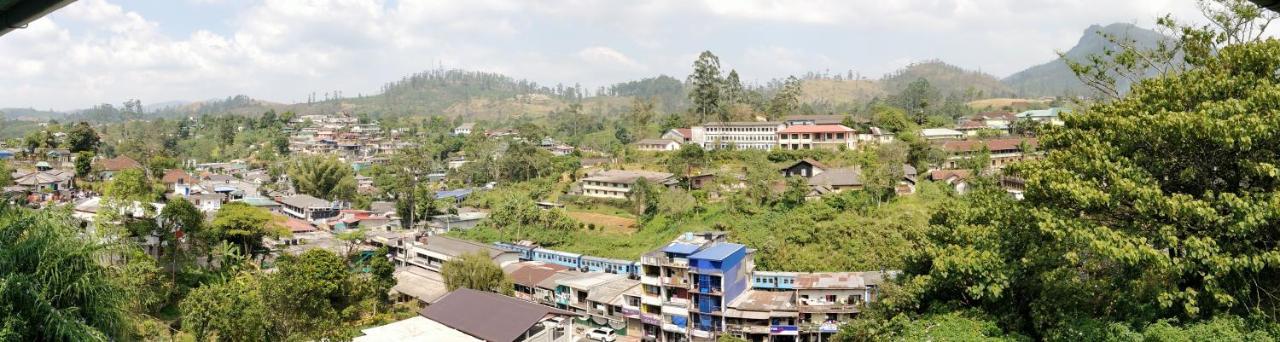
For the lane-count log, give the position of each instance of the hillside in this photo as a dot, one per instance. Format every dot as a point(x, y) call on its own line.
point(948, 79)
point(1055, 77)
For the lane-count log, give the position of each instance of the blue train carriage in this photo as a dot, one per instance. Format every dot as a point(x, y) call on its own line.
point(566, 259)
point(616, 266)
point(765, 280)
point(526, 252)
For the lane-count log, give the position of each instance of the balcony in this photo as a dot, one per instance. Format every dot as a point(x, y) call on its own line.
point(676, 302)
point(662, 260)
point(674, 281)
point(829, 307)
point(747, 328)
point(651, 280)
point(673, 328)
point(700, 333)
point(708, 290)
point(651, 300)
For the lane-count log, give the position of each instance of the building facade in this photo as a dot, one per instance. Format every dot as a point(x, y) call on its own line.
point(737, 135)
point(617, 184)
point(808, 137)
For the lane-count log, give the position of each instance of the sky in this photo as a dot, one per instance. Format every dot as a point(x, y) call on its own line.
point(108, 51)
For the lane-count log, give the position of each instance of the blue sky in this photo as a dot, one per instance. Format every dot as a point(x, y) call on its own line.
point(107, 51)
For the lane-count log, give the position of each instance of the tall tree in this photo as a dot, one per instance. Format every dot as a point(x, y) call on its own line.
point(82, 137)
point(323, 177)
point(917, 99)
point(705, 84)
point(1141, 209)
point(308, 294)
point(787, 100)
point(644, 198)
point(6, 174)
point(245, 226)
point(477, 272)
point(84, 164)
point(233, 310)
point(178, 220)
point(52, 285)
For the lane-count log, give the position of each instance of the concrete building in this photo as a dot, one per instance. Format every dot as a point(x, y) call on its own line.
point(808, 137)
point(305, 207)
point(1001, 152)
point(618, 183)
point(825, 300)
point(657, 145)
point(941, 134)
point(1051, 116)
point(737, 135)
point(665, 283)
point(433, 251)
point(470, 315)
point(718, 275)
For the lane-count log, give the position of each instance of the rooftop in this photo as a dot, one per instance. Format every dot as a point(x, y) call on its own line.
point(414, 328)
point(718, 251)
point(839, 280)
point(118, 164)
point(305, 201)
point(530, 273)
point(608, 292)
point(457, 247)
point(992, 144)
point(816, 129)
point(742, 123)
point(681, 248)
point(627, 177)
point(590, 280)
point(766, 301)
point(488, 316)
point(654, 142)
point(845, 176)
point(933, 132)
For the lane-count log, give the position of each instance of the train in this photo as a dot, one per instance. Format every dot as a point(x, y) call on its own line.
point(584, 263)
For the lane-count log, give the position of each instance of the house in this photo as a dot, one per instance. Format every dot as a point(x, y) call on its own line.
point(305, 207)
point(827, 299)
point(835, 180)
point(1049, 116)
point(264, 203)
point(876, 135)
point(759, 315)
point(493, 317)
point(108, 167)
point(971, 127)
point(681, 135)
point(461, 220)
point(940, 134)
point(996, 120)
point(657, 145)
point(737, 135)
point(44, 181)
point(797, 120)
point(177, 181)
point(207, 203)
point(618, 183)
point(526, 275)
point(464, 130)
point(1001, 152)
point(808, 137)
point(957, 179)
point(434, 251)
point(804, 168)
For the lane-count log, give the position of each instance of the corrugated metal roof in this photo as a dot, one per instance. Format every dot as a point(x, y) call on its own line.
point(680, 248)
point(718, 251)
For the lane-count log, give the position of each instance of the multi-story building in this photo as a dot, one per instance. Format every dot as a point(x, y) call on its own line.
point(808, 137)
point(826, 300)
point(719, 274)
point(666, 283)
point(1051, 116)
point(1001, 152)
point(304, 207)
point(618, 183)
point(737, 135)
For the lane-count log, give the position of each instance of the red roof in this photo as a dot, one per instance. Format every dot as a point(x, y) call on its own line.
point(972, 125)
point(993, 144)
point(944, 174)
point(175, 176)
point(118, 163)
point(298, 226)
point(685, 132)
point(816, 129)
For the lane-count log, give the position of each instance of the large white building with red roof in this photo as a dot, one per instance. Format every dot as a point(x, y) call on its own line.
point(808, 137)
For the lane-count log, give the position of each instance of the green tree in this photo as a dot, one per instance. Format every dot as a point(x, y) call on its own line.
point(916, 99)
point(233, 310)
point(245, 226)
point(6, 174)
point(686, 160)
point(323, 177)
point(1140, 209)
point(179, 218)
point(82, 137)
point(705, 86)
point(477, 272)
point(307, 295)
point(129, 192)
point(52, 285)
point(787, 100)
point(644, 198)
point(84, 164)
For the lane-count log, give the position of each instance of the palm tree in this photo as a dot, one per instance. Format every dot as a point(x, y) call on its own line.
point(52, 286)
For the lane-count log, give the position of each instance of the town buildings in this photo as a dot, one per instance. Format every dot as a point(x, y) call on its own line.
point(1001, 152)
point(307, 208)
point(940, 134)
point(1049, 116)
point(618, 183)
point(657, 145)
point(736, 135)
point(807, 137)
point(470, 315)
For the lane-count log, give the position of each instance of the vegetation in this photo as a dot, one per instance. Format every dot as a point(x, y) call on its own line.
point(477, 272)
point(323, 177)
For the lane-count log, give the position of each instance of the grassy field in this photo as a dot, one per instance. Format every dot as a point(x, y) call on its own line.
point(1001, 103)
point(608, 223)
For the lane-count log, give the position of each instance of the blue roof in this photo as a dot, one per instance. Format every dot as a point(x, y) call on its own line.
point(459, 193)
point(680, 248)
point(718, 251)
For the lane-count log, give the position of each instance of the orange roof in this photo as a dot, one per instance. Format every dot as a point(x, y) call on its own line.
point(816, 129)
point(298, 226)
point(176, 175)
point(944, 174)
point(118, 163)
point(993, 144)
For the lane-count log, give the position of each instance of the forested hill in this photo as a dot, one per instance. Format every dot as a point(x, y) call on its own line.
point(1055, 77)
point(946, 78)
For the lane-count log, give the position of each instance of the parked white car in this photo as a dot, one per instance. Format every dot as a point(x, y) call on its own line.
point(602, 335)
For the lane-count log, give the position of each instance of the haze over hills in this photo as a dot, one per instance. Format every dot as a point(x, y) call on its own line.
point(1055, 77)
point(483, 95)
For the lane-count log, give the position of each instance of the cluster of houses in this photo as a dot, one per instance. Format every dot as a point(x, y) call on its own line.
point(801, 132)
point(695, 288)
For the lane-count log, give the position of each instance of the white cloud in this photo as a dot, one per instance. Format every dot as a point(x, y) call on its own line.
point(95, 51)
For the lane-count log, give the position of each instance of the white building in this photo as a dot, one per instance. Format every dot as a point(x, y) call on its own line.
point(737, 135)
point(464, 129)
point(618, 183)
point(657, 145)
point(941, 133)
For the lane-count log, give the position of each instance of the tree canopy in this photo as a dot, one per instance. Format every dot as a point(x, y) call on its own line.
point(475, 271)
